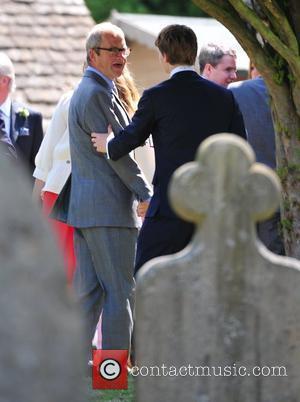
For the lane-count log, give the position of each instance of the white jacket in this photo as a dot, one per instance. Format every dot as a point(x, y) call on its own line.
point(53, 161)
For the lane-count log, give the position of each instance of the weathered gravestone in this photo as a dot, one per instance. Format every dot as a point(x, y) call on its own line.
point(220, 321)
point(40, 328)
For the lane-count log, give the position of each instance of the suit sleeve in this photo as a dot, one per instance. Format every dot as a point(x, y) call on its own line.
point(136, 133)
point(99, 113)
point(237, 122)
point(37, 138)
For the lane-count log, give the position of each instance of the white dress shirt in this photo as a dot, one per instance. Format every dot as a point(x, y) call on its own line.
point(178, 69)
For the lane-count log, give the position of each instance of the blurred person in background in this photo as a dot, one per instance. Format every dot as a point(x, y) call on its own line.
point(254, 101)
point(20, 127)
point(217, 63)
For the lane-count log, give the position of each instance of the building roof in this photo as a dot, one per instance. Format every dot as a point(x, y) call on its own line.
point(144, 29)
point(45, 40)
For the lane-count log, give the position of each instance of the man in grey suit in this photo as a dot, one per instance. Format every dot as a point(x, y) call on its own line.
point(253, 99)
point(103, 194)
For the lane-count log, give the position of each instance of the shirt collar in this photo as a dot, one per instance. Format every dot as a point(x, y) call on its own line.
point(178, 69)
point(6, 107)
point(107, 80)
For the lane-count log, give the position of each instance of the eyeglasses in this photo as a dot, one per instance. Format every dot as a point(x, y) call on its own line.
point(116, 50)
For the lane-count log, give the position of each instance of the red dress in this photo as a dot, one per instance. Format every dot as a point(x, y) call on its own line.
point(63, 234)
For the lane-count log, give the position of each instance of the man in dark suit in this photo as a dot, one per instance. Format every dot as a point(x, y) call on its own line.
point(21, 127)
point(180, 113)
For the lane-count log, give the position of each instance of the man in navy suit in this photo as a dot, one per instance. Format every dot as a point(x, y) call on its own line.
point(179, 113)
point(21, 127)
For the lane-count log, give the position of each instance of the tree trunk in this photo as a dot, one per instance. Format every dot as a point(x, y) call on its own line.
point(287, 127)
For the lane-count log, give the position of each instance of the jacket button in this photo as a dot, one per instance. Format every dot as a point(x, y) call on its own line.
point(68, 161)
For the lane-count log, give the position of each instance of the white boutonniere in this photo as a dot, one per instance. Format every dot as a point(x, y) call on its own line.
point(23, 112)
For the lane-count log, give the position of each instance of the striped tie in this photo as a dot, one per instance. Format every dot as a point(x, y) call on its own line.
point(2, 124)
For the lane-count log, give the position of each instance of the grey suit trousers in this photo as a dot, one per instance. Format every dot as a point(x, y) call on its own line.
point(104, 282)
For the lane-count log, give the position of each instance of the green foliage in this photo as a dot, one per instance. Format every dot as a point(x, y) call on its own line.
point(286, 205)
point(291, 169)
point(280, 66)
point(100, 9)
point(172, 7)
point(282, 172)
point(294, 174)
point(291, 78)
point(110, 395)
point(287, 224)
point(282, 129)
point(279, 77)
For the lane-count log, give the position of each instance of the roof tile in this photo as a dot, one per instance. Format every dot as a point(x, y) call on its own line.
point(45, 40)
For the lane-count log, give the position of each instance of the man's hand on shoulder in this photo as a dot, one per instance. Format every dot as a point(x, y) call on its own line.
point(99, 140)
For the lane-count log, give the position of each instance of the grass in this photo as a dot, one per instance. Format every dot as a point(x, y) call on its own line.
point(110, 395)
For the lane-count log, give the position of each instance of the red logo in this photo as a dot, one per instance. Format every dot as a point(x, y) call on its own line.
point(110, 369)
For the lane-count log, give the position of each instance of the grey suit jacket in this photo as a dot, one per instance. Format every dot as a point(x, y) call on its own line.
point(253, 99)
point(102, 191)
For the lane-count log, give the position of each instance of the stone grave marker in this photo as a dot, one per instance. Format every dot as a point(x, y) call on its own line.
point(41, 358)
point(220, 320)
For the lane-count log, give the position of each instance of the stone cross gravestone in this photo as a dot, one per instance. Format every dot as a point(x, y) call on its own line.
point(40, 328)
point(220, 320)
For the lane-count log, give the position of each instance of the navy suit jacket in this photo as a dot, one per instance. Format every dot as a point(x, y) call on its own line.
point(179, 113)
point(26, 134)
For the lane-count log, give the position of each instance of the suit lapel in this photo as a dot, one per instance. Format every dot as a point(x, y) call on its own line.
point(121, 111)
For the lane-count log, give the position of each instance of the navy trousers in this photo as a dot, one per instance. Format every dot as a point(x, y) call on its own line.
point(161, 236)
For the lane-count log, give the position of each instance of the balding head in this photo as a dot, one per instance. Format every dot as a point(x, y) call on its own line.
point(94, 37)
point(7, 74)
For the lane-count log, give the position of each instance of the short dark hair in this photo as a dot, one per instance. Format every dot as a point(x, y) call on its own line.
point(178, 43)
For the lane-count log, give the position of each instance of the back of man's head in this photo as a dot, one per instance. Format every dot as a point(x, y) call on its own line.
point(178, 43)
point(7, 70)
